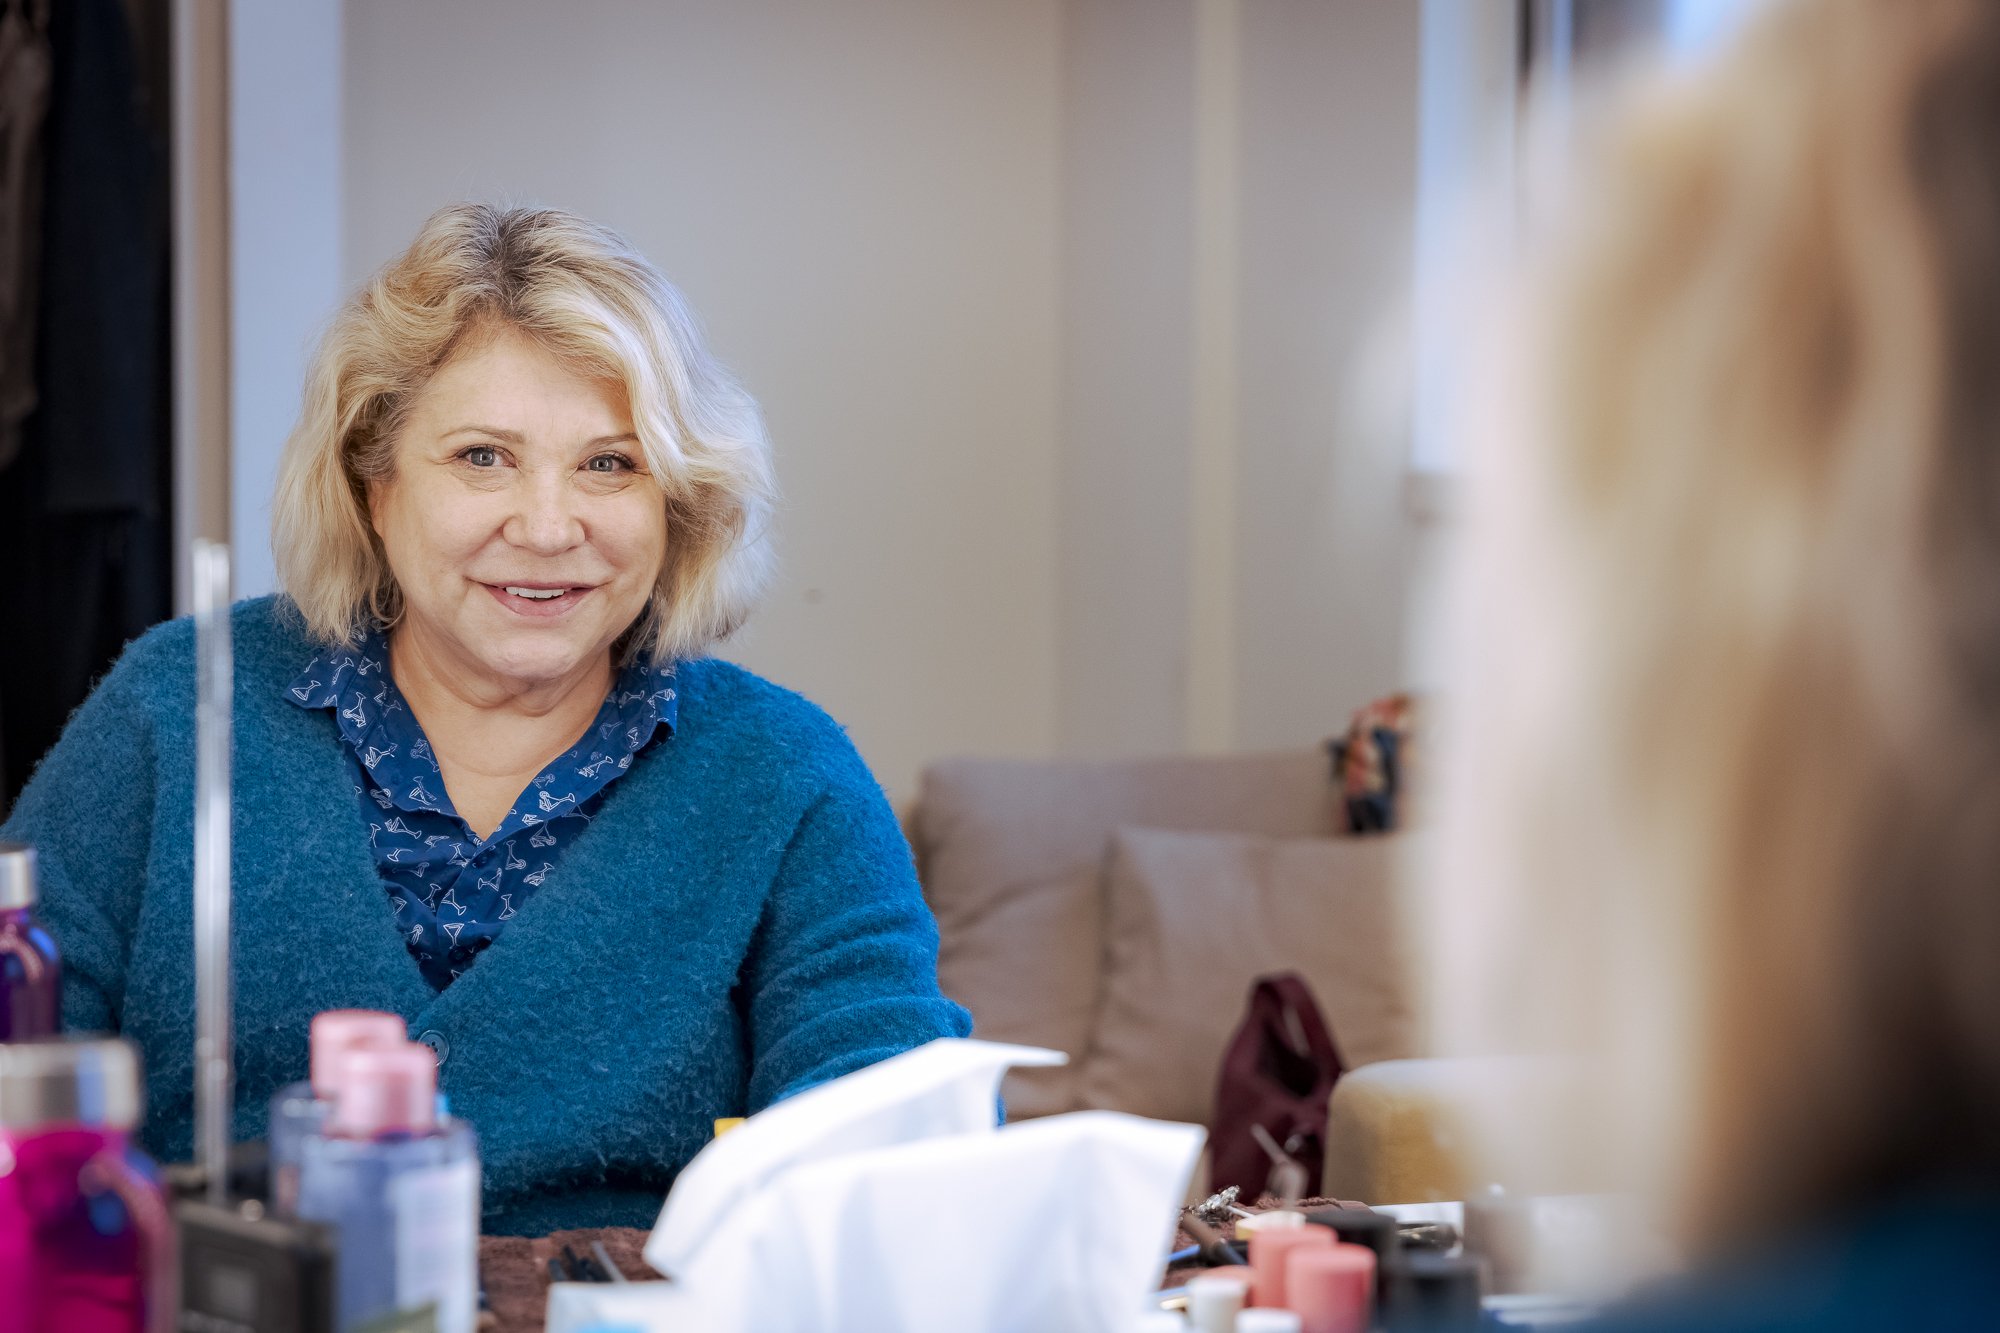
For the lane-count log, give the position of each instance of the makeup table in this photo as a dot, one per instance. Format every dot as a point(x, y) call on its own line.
point(516, 1268)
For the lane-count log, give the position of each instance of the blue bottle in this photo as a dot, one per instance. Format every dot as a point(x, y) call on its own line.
point(400, 1188)
point(30, 968)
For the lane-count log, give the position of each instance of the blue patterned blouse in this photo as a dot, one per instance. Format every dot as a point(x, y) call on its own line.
point(452, 891)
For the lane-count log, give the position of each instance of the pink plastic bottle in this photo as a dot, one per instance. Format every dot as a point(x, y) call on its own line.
point(86, 1241)
point(299, 1109)
point(400, 1188)
point(30, 971)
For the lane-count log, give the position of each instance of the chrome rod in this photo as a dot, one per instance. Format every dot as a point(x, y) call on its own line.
point(214, 1093)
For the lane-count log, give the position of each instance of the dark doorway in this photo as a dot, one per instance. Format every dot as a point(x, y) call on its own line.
point(85, 434)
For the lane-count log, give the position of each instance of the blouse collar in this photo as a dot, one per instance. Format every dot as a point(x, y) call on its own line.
point(376, 722)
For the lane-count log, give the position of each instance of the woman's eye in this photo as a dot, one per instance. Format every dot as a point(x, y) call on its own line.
point(481, 455)
point(609, 463)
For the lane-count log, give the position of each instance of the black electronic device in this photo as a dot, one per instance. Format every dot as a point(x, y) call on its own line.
point(244, 1272)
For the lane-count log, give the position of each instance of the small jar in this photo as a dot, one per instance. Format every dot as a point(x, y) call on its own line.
point(86, 1240)
point(30, 970)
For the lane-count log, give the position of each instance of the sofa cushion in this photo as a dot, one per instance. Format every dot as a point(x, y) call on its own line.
point(1012, 856)
point(1193, 919)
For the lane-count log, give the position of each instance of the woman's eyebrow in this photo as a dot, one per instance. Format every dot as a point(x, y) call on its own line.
point(516, 437)
point(510, 436)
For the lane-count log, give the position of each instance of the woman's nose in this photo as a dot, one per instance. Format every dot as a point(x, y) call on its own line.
point(546, 520)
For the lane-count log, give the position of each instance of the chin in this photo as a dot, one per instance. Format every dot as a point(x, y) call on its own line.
point(537, 661)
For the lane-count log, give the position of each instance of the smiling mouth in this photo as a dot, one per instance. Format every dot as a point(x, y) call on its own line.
point(538, 599)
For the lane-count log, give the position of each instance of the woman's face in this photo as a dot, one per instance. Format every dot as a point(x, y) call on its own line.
point(520, 522)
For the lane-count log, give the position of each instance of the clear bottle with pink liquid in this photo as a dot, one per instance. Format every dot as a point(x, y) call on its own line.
point(86, 1241)
point(399, 1185)
point(301, 1108)
point(30, 969)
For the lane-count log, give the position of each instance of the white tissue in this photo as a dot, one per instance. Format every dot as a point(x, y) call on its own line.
point(888, 1202)
point(949, 1086)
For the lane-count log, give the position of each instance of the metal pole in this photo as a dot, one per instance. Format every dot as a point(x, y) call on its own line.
point(214, 1093)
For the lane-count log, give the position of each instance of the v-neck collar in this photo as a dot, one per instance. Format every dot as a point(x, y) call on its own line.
point(574, 906)
point(358, 686)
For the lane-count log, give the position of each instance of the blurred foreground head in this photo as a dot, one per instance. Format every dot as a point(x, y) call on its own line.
point(1724, 814)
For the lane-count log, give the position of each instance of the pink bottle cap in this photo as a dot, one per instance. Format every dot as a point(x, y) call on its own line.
point(1270, 1247)
point(338, 1031)
point(1332, 1289)
point(389, 1091)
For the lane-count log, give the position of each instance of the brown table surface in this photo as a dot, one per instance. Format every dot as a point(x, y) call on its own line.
point(516, 1268)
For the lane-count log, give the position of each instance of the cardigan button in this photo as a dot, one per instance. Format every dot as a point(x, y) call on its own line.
point(439, 1046)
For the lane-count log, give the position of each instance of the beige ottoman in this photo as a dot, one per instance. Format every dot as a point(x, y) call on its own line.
point(1418, 1131)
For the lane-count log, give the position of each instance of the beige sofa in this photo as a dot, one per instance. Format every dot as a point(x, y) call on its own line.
point(1119, 911)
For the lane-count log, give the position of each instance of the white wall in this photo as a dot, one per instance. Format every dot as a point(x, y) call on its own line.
point(285, 77)
point(1128, 337)
point(1052, 305)
point(1241, 179)
point(1329, 133)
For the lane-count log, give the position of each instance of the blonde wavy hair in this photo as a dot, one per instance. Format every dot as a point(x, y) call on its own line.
point(1723, 802)
point(584, 294)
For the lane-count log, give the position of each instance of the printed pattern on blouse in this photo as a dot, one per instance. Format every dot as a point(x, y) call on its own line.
point(453, 892)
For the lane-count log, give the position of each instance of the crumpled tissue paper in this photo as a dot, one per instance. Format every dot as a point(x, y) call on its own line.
point(889, 1202)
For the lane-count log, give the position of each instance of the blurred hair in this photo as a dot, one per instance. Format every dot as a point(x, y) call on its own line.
point(581, 292)
point(1725, 810)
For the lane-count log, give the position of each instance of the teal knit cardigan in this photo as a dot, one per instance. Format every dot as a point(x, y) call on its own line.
point(739, 922)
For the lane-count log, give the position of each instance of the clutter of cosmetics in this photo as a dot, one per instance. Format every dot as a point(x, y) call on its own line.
point(370, 1219)
point(372, 1185)
point(1333, 1270)
point(86, 1244)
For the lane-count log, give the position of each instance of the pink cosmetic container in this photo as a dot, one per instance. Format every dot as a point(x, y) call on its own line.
point(1333, 1289)
point(86, 1242)
point(399, 1186)
point(1270, 1248)
point(299, 1109)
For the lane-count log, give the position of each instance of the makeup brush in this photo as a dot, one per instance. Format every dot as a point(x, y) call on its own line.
point(1215, 1251)
point(1288, 1174)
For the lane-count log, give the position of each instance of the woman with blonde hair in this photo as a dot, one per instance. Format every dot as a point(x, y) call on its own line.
point(487, 777)
point(1724, 811)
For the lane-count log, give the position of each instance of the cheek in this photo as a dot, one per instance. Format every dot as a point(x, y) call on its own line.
point(634, 535)
point(421, 531)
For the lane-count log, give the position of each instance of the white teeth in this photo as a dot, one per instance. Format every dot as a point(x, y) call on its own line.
point(537, 594)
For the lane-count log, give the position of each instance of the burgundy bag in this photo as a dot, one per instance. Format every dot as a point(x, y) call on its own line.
point(1278, 1072)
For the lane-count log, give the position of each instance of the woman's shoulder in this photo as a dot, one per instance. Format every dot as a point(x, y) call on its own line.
point(724, 705)
point(715, 693)
point(265, 634)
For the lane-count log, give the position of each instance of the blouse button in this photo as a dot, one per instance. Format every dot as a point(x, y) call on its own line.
point(439, 1046)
